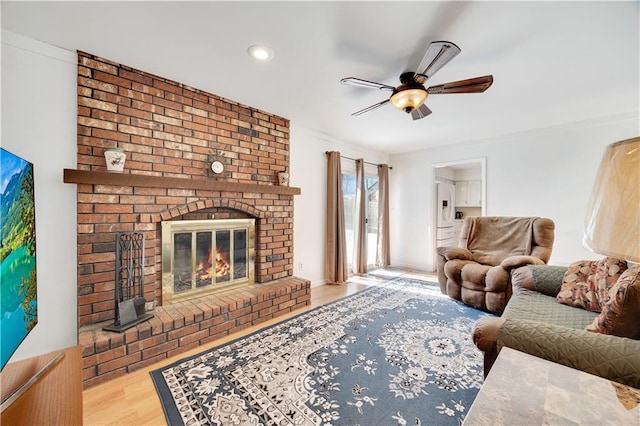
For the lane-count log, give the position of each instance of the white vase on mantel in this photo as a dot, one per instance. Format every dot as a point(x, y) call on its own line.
point(283, 178)
point(115, 158)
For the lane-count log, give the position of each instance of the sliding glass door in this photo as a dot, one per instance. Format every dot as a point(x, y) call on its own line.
point(349, 194)
point(371, 186)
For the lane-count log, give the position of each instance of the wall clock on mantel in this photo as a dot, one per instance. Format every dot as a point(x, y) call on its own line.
point(216, 164)
point(217, 167)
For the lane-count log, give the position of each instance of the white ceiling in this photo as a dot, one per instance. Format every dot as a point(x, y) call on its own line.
point(553, 62)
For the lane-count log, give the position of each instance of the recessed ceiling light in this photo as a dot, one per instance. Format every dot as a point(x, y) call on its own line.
point(260, 53)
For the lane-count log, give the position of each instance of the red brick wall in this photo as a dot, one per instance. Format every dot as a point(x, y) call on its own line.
point(169, 129)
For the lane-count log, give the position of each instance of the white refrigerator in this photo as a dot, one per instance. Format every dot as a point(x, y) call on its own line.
point(445, 205)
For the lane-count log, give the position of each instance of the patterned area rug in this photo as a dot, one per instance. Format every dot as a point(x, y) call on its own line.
point(395, 353)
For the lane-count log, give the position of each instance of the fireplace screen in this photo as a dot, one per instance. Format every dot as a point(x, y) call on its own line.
point(200, 256)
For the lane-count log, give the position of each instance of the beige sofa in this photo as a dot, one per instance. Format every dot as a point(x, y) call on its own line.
point(534, 322)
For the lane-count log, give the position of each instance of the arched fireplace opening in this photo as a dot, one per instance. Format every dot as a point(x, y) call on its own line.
point(200, 257)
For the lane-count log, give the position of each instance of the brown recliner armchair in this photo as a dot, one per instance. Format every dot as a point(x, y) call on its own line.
point(477, 272)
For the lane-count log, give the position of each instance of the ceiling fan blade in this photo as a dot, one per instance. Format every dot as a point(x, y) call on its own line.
point(471, 85)
point(352, 81)
point(371, 108)
point(420, 112)
point(438, 54)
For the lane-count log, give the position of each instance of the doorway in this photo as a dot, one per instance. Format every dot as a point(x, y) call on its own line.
point(469, 179)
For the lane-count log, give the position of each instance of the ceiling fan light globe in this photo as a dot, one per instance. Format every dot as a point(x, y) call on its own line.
point(408, 99)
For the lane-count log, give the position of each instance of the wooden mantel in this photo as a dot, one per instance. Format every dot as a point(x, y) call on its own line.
point(138, 180)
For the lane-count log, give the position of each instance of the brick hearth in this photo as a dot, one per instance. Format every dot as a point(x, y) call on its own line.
point(186, 325)
point(172, 131)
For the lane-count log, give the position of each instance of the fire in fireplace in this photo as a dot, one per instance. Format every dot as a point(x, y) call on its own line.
point(202, 256)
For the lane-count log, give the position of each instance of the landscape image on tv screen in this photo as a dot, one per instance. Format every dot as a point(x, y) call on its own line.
point(18, 292)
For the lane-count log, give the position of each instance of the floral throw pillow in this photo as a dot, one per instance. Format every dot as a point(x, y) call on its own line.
point(620, 316)
point(586, 283)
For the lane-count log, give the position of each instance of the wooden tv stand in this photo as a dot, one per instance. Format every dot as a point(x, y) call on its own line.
point(55, 399)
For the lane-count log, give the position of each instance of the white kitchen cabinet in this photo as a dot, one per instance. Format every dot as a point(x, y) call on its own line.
point(468, 193)
point(475, 193)
point(462, 191)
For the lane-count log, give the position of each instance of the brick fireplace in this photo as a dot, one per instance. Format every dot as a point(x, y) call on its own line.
point(171, 134)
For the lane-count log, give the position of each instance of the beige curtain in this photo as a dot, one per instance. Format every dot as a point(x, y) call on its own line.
point(360, 225)
point(336, 246)
point(383, 256)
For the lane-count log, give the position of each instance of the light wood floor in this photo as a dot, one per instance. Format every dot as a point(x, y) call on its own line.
point(132, 399)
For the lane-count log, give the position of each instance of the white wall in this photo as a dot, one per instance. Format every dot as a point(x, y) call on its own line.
point(309, 172)
point(468, 174)
point(548, 172)
point(39, 125)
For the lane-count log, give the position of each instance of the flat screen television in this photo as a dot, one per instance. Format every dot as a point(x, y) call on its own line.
point(18, 289)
